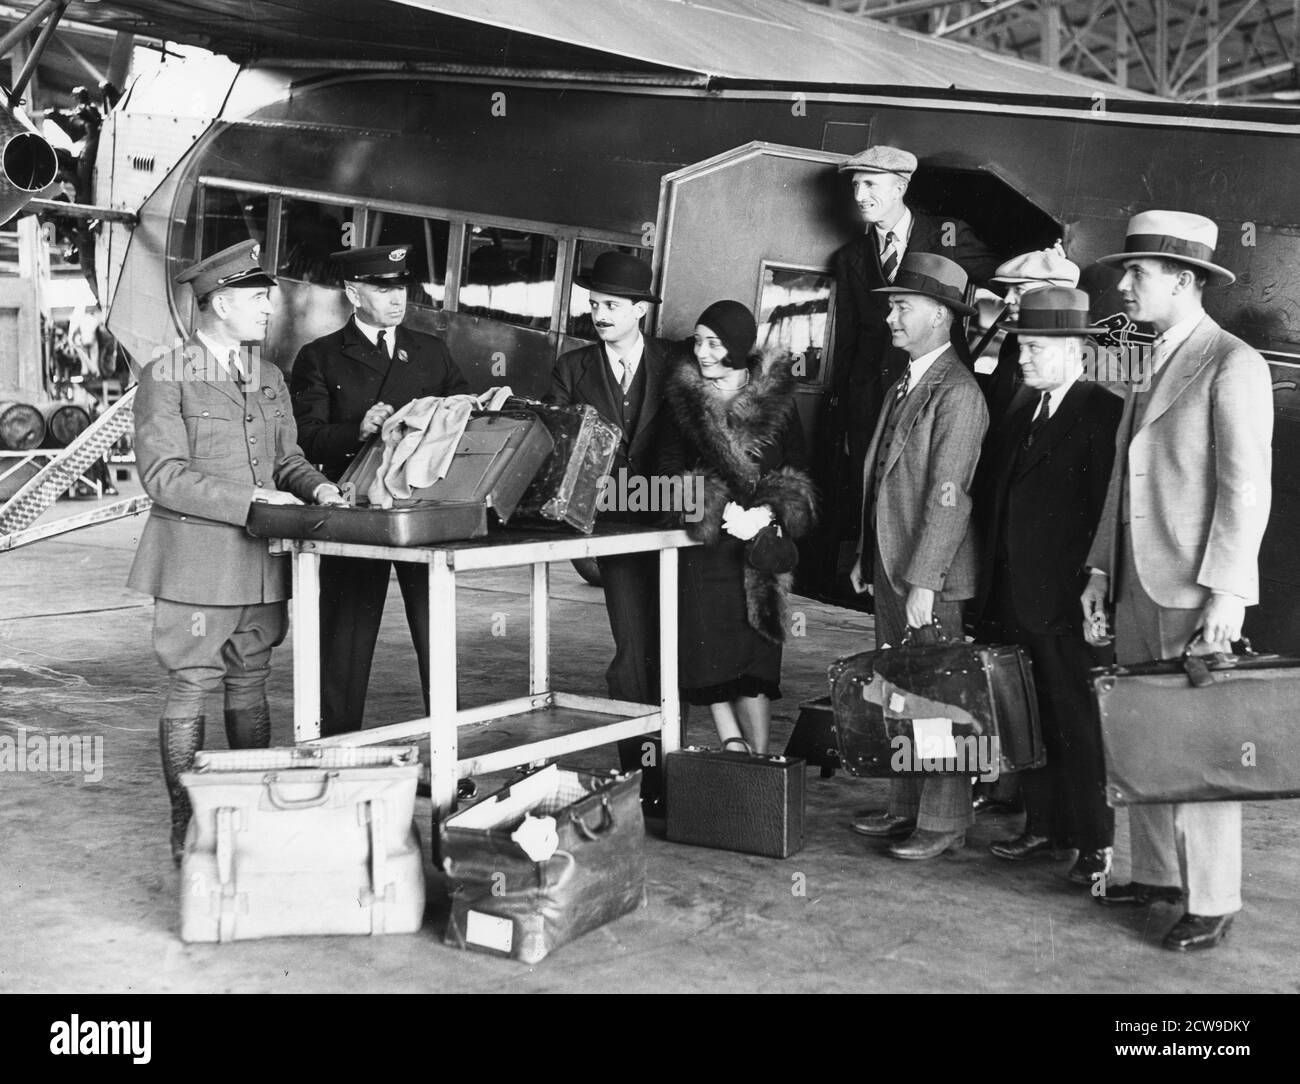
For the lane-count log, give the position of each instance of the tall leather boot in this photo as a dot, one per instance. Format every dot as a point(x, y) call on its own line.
point(179, 740)
point(249, 728)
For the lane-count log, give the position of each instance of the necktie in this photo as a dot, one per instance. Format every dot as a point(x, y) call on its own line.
point(236, 368)
point(382, 341)
point(626, 381)
point(889, 261)
point(1159, 354)
point(901, 391)
point(1040, 420)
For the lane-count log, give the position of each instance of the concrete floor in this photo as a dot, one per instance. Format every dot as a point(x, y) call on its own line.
point(89, 893)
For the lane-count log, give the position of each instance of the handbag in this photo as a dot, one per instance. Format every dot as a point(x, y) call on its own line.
point(771, 550)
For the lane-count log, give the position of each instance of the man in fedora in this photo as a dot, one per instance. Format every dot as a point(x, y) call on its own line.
point(623, 377)
point(1177, 548)
point(917, 544)
point(1041, 490)
point(345, 385)
point(866, 361)
point(214, 434)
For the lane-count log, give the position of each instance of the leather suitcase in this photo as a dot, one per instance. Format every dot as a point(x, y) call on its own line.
point(583, 866)
point(302, 841)
point(813, 736)
point(417, 523)
point(735, 801)
point(568, 487)
point(1232, 737)
point(952, 707)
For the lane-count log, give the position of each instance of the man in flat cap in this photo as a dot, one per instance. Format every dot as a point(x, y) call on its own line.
point(1040, 492)
point(623, 377)
point(345, 385)
point(866, 361)
point(917, 544)
point(214, 433)
point(1177, 549)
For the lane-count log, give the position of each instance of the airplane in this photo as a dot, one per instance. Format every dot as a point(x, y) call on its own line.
point(509, 143)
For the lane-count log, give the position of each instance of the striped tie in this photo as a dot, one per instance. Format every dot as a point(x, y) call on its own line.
point(889, 258)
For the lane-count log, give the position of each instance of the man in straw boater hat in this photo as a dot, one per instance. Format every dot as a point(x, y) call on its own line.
point(623, 376)
point(917, 544)
point(1177, 548)
point(214, 433)
point(1042, 486)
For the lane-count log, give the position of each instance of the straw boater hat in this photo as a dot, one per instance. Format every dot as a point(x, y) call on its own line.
point(1046, 266)
point(935, 277)
point(1053, 311)
point(1173, 235)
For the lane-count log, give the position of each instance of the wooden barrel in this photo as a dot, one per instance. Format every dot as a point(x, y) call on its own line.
point(64, 422)
point(21, 426)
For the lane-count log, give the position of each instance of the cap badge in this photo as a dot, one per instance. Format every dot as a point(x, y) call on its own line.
point(256, 254)
point(397, 255)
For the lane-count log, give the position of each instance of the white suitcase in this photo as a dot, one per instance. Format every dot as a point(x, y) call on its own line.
point(302, 842)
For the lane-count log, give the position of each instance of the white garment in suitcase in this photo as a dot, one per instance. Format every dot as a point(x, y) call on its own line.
point(301, 842)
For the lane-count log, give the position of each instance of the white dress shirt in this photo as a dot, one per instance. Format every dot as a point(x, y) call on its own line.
point(1172, 339)
point(628, 360)
point(231, 365)
point(918, 367)
point(902, 231)
point(371, 332)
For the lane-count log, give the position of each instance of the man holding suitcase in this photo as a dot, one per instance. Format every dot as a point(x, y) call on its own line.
point(1177, 548)
point(214, 433)
point(917, 548)
point(345, 385)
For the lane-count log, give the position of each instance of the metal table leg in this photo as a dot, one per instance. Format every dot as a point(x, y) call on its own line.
point(305, 608)
point(669, 701)
point(539, 631)
point(443, 746)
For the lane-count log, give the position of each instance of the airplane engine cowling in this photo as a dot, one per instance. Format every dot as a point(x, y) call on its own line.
point(27, 163)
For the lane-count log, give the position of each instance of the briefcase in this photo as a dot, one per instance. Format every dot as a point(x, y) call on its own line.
point(567, 489)
point(813, 736)
point(302, 841)
point(1202, 728)
point(735, 801)
point(549, 858)
point(948, 707)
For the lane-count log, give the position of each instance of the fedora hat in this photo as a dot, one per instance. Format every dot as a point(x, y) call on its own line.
point(1052, 311)
point(1048, 265)
point(621, 275)
point(1173, 235)
point(935, 277)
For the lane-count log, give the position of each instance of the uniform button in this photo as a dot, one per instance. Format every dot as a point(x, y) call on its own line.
point(257, 481)
point(252, 440)
point(248, 418)
point(255, 462)
point(207, 414)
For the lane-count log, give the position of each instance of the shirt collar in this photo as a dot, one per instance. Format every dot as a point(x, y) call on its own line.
point(1177, 335)
point(918, 367)
point(371, 332)
point(220, 353)
point(631, 357)
point(1055, 396)
point(902, 230)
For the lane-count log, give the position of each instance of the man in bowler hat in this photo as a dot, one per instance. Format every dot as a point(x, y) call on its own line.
point(345, 385)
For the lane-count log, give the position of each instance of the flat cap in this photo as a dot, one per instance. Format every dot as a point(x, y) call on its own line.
point(234, 266)
point(1047, 265)
point(381, 265)
point(882, 160)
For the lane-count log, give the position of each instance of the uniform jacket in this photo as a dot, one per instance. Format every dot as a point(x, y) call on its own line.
point(749, 450)
point(923, 508)
point(1044, 502)
point(203, 444)
point(862, 341)
point(1199, 472)
point(340, 376)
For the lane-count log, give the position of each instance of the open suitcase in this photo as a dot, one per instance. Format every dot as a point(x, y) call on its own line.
point(495, 462)
point(305, 841)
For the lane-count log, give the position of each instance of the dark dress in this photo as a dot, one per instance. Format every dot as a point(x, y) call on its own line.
point(721, 656)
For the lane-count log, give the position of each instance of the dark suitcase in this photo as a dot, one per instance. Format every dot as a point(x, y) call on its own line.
point(813, 736)
point(735, 801)
point(568, 487)
point(416, 524)
point(953, 707)
point(523, 898)
point(1230, 738)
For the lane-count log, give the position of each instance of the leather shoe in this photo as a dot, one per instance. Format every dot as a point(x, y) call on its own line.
point(1197, 932)
point(1026, 847)
point(882, 824)
point(1089, 865)
point(1136, 894)
point(923, 844)
point(986, 803)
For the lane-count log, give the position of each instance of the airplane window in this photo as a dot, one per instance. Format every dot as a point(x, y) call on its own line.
point(510, 276)
point(428, 240)
point(578, 318)
point(793, 305)
point(310, 232)
point(230, 217)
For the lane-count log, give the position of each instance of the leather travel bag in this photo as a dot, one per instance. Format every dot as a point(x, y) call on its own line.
point(813, 736)
point(735, 801)
point(302, 841)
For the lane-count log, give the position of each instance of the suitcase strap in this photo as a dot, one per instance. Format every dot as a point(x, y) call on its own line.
point(227, 901)
point(381, 893)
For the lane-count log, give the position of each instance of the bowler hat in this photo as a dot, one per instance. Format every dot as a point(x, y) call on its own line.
point(881, 159)
point(1053, 311)
point(379, 265)
point(619, 274)
point(1173, 235)
point(932, 276)
point(234, 266)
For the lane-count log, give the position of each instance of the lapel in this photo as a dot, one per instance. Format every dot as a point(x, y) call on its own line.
point(1058, 425)
point(356, 347)
point(1182, 367)
point(654, 360)
point(594, 383)
point(202, 366)
point(915, 402)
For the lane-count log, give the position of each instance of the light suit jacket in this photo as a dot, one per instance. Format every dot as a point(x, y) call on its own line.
point(923, 508)
point(1198, 466)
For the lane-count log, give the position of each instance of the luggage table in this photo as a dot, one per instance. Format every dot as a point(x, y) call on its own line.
point(504, 548)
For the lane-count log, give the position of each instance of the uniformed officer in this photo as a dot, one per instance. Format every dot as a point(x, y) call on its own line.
point(214, 433)
point(344, 386)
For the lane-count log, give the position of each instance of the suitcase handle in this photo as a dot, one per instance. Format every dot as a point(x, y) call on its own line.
point(1197, 667)
point(282, 803)
point(928, 634)
point(606, 821)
